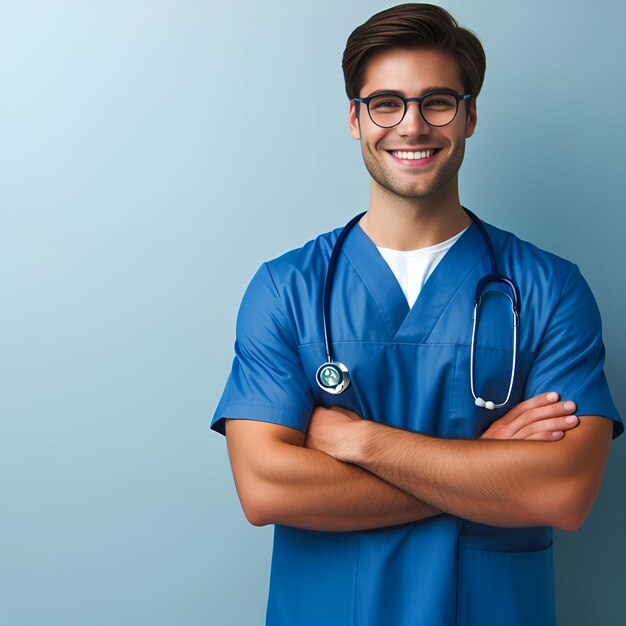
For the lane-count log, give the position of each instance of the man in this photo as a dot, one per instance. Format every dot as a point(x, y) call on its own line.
point(407, 498)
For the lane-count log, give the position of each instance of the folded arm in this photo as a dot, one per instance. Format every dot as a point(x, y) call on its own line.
point(502, 483)
point(281, 482)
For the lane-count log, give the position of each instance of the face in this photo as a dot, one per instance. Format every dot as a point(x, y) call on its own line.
point(412, 73)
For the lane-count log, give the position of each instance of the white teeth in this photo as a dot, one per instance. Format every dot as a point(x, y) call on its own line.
point(424, 154)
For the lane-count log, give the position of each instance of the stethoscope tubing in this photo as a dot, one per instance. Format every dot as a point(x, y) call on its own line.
point(330, 279)
point(512, 292)
point(479, 401)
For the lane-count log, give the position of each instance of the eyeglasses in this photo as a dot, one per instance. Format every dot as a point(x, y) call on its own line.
point(438, 108)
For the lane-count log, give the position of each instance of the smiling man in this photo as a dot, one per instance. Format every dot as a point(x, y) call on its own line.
point(401, 403)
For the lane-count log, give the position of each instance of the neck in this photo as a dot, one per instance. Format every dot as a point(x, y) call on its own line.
point(401, 223)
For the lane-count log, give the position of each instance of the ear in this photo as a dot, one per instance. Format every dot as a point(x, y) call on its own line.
point(470, 125)
point(353, 121)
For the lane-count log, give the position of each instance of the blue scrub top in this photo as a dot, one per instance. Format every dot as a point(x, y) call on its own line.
point(410, 369)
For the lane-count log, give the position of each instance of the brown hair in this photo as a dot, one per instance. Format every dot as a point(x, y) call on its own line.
point(413, 26)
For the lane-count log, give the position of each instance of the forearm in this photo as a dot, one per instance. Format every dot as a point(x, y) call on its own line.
point(296, 486)
point(502, 483)
point(310, 489)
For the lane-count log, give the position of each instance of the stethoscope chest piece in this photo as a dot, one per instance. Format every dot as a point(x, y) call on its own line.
point(333, 377)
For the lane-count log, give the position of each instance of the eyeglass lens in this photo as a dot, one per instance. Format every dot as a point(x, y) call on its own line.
point(388, 110)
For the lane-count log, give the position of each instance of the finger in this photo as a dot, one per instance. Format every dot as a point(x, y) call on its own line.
point(547, 436)
point(560, 409)
point(559, 424)
point(539, 401)
point(543, 399)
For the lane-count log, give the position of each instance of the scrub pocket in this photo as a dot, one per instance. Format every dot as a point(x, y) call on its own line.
point(313, 579)
point(492, 378)
point(499, 588)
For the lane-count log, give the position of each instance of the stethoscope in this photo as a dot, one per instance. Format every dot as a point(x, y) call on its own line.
point(334, 377)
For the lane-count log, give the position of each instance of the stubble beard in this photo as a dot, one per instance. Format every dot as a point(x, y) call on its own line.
point(418, 187)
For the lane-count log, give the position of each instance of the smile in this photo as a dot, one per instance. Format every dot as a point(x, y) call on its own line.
point(425, 154)
point(415, 157)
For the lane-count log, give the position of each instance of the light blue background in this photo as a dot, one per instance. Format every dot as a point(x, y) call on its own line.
point(153, 154)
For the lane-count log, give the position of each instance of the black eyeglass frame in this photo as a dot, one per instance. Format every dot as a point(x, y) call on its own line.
point(419, 100)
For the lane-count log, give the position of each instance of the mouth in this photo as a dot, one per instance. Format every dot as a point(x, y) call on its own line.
point(414, 157)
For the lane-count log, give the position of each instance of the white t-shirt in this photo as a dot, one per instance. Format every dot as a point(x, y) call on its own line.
point(413, 267)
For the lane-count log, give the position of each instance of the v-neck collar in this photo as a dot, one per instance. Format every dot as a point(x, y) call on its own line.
point(413, 324)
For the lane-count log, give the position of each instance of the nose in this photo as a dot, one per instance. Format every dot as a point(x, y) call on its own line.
point(413, 123)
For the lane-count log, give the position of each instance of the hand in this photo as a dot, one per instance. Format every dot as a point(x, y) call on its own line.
point(330, 431)
point(541, 418)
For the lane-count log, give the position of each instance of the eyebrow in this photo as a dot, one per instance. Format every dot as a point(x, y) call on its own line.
point(424, 91)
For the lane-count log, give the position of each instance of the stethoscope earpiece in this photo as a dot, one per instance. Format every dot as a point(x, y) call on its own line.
point(485, 404)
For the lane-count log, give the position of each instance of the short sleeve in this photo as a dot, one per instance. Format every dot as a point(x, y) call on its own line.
point(267, 381)
point(570, 359)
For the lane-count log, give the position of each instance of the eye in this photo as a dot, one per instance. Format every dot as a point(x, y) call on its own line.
point(386, 103)
point(439, 102)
